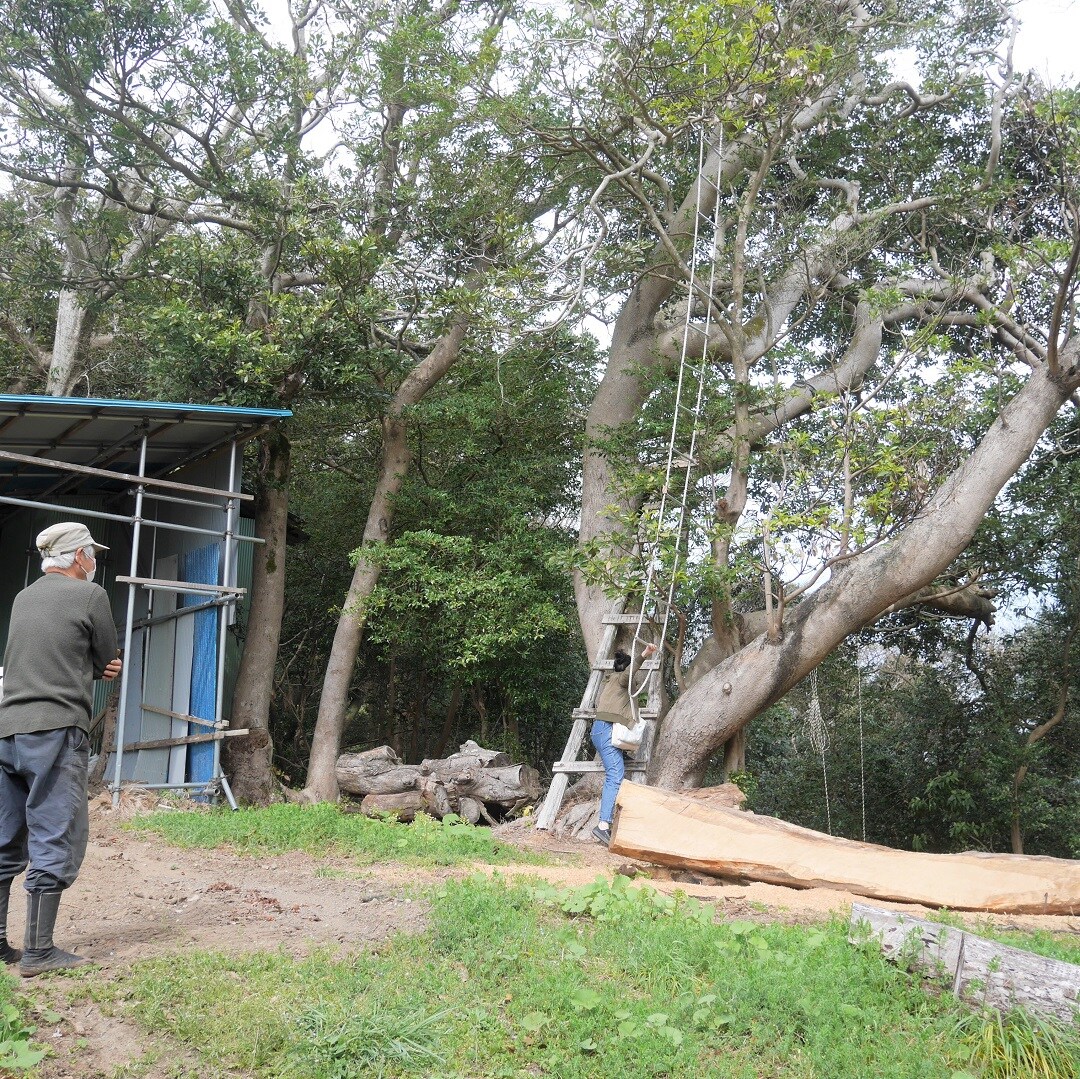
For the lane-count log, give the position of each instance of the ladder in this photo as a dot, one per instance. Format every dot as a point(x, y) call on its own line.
point(568, 764)
point(673, 500)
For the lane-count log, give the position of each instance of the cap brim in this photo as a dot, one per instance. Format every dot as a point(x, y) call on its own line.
point(99, 547)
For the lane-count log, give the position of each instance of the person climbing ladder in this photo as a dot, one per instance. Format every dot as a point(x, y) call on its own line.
point(614, 705)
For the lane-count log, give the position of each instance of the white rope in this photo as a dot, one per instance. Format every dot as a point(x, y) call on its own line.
point(862, 756)
point(819, 739)
point(650, 578)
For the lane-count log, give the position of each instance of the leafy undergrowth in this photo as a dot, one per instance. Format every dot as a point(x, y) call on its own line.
point(609, 980)
point(324, 829)
point(18, 1052)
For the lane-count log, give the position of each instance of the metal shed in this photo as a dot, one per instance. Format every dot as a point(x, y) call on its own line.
point(160, 484)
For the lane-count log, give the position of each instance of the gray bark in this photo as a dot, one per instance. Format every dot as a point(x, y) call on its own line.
point(396, 460)
point(249, 761)
point(726, 698)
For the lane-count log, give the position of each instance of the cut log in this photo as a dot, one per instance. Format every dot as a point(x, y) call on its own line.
point(980, 970)
point(403, 806)
point(437, 800)
point(671, 829)
point(377, 771)
point(466, 783)
point(505, 786)
point(469, 755)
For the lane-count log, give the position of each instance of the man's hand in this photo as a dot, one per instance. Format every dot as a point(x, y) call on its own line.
point(112, 669)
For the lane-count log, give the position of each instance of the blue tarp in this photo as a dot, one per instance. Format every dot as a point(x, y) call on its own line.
point(201, 567)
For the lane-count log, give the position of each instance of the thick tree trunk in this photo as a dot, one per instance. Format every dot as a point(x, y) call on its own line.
point(74, 324)
point(326, 742)
point(249, 761)
point(396, 460)
point(725, 699)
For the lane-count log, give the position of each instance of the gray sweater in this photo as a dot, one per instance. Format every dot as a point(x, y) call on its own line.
point(60, 638)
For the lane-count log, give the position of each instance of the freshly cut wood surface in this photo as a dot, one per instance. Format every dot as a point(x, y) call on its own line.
point(670, 829)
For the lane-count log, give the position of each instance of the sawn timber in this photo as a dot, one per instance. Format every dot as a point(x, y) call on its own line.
point(670, 829)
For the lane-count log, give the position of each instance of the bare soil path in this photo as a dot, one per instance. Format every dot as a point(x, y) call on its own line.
point(137, 898)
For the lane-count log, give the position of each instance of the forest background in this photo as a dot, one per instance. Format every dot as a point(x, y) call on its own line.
point(853, 225)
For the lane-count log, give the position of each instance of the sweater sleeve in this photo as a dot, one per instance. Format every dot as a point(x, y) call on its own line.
point(102, 631)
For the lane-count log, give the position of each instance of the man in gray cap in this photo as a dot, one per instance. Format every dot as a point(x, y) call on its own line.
point(60, 638)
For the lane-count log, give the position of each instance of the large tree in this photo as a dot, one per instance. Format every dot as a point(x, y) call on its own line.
point(208, 122)
point(873, 277)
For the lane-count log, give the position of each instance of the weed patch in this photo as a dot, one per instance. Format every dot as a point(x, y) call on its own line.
point(1020, 1046)
point(323, 828)
point(602, 982)
point(18, 1052)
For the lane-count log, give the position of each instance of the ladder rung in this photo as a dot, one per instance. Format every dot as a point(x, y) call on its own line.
point(644, 665)
point(632, 620)
point(593, 766)
point(584, 713)
point(648, 713)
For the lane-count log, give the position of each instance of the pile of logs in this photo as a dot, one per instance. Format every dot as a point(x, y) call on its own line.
point(474, 783)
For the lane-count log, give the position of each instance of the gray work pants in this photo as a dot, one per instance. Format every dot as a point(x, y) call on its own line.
point(43, 811)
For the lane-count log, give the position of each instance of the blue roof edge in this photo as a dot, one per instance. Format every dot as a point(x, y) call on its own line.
point(225, 411)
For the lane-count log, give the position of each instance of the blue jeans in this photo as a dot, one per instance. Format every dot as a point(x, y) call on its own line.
point(614, 768)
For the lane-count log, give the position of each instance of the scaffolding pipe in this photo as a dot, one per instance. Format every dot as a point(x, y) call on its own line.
point(228, 580)
point(160, 619)
point(76, 511)
point(181, 501)
point(121, 712)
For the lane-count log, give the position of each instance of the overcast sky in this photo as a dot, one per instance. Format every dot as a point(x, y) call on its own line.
point(1049, 37)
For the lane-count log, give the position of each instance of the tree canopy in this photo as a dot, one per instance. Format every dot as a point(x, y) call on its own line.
point(828, 250)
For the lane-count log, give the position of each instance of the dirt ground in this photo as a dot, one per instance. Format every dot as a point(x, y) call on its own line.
point(137, 898)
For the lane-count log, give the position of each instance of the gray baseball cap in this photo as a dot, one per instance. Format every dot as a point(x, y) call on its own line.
point(65, 538)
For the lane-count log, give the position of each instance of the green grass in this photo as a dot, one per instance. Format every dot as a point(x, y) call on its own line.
point(324, 829)
point(607, 981)
point(1021, 1046)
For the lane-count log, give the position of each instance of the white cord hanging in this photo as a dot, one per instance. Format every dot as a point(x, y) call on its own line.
point(685, 461)
point(862, 754)
point(819, 739)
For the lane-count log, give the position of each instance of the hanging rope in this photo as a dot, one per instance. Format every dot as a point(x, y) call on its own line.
point(862, 756)
point(665, 492)
point(819, 739)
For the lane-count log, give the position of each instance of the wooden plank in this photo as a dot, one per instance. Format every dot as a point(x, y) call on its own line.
point(670, 829)
point(574, 767)
point(981, 971)
point(609, 664)
point(557, 790)
point(183, 716)
point(632, 620)
point(107, 473)
point(188, 740)
point(181, 586)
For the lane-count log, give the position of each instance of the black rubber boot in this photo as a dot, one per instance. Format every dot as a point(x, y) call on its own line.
point(8, 954)
point(39, 954)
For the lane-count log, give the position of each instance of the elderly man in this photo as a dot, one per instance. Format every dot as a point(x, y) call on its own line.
point(60, 638)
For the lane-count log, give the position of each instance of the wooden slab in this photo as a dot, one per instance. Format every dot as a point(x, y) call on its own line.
point(670, 829)
point(981, 971)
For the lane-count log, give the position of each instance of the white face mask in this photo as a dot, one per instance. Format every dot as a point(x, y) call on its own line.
point(93, 569)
